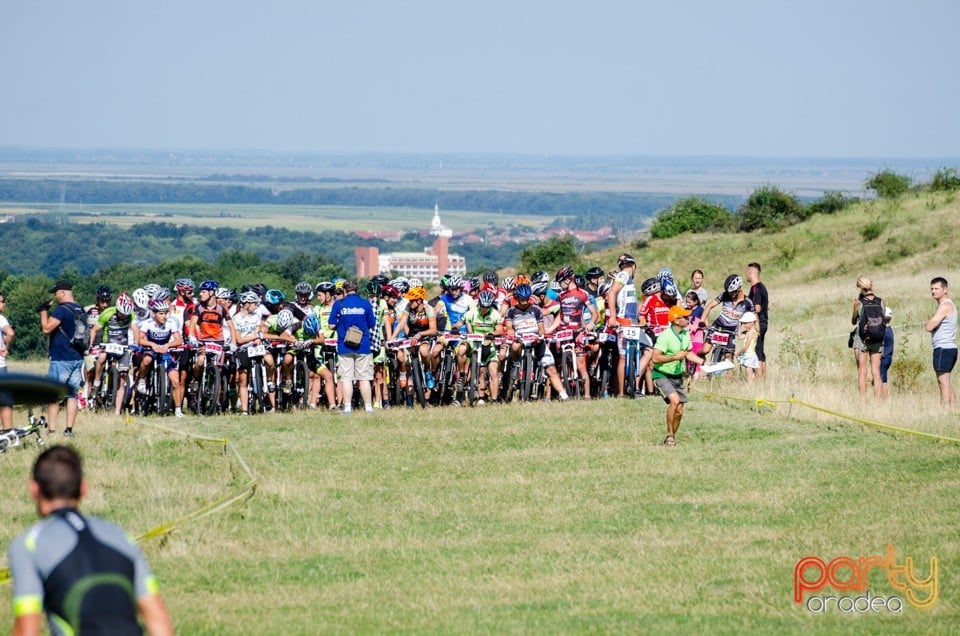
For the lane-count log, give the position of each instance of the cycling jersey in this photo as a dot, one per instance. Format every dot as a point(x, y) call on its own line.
point(211, 322)
point(323, 313)
point(420, 321)
point(157, 333)
point(456, 308)
point(550, 310)
point(482, 324)
point(656, 313)
point(246, 325)
point(116, 328)
point(627, 308)
point(731, 311)
point(572, 305)
point(525, 320)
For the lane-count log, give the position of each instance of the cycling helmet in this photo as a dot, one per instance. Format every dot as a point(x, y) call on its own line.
point(444, 281)
point(373, 289)
point(324, 287)
point(380, 279)
point(555, 286)
point(224, 293)
point(605, 286)
point(454, 281)
point(523, 292)
point(260, 288)
point(285, 319)
point(539, 289)
point(151, 289)
point(416, 293)
point(486, 299)
point(580, 280)
point(594, 272)
point(338, 283)
point(732, 283)
point(539, 277)
point(402, 285)
point(184, 285)
point(664, 274)
point(564, 273)
point(162, 294)
point(303, 289)
point(490, 277)
point(508, 283)
point(390, 291)
point(311, 325)
point(273, 297)
point(250, 297)
point(415, 282)
point(104, 293)
point(467, 286)
point(650, 287)
point(625, 259)
point(141, 298)
point(124, 304)
point(475, 282)
point(157, 306)
point(209, 285)
point(669, 289)
point(234, 296)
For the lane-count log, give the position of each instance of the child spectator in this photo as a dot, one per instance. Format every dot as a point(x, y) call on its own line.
point(886, 356)
point(697, 334)
point(747, 351)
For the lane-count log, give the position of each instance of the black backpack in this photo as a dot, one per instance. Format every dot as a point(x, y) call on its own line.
point(81, 330)
point(871, 325)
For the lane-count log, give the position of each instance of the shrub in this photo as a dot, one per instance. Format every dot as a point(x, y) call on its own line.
point(888, 184)
point(872, 230)
point(690, 214)
point(549, 255)
point(830, 203)
point(945, 180)
point(769, 208)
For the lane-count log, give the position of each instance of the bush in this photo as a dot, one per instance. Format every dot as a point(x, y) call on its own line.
point(549, 255)
point(830, 203)
point(945, 180)
point(769, 208)
point(888, 184)
point(872, 230)
point(691, 214)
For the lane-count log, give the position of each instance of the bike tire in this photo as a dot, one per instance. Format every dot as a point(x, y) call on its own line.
point(301, 384)
point(110, 386)
point(630, 372)
point(528, 372)
point(473, 386)
point(568, 374)
point(416, 371)
point(210, 390)
point(163, 391)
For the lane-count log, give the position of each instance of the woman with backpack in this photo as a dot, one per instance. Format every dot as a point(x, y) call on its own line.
point(868, 313)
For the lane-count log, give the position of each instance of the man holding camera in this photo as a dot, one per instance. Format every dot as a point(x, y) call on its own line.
point(66, 362)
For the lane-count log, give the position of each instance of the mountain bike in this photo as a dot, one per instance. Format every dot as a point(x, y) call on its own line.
point(116, 367)
point(635, 341)
point(159, 396)
point(11, 438)
point(569, 371)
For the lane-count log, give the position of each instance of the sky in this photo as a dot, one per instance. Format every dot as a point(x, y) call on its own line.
point(759, 78)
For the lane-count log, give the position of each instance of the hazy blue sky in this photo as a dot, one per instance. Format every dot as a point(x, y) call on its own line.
point(828, 78)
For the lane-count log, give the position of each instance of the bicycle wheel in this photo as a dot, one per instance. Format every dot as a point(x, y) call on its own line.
point(630, 371)
point(164, 400)
point(301, 384)
point(473, 390)
point(255, 395)
point(527, 374)
point(210, 390)
point(110, 388)
point(416, 373)
point(568, 374)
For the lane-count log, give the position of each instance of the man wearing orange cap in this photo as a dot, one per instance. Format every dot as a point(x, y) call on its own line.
point(672, 349)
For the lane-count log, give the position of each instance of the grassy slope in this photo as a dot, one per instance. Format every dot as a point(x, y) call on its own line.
point(570, 518)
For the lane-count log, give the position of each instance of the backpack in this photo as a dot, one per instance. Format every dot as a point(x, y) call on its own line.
point(80, 340)
point(871, 325)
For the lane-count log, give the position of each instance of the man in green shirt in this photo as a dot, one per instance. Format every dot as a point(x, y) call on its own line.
point(670, 353)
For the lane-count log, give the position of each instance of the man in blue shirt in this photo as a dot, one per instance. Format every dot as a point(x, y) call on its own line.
point(66, 362)
point(353, 317)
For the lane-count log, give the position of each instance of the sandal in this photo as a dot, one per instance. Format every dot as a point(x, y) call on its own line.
point(669, 440)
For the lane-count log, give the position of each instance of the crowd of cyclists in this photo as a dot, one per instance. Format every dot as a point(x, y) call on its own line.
point(207, 349)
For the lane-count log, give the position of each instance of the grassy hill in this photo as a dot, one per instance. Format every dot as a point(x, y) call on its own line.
point(571, 518)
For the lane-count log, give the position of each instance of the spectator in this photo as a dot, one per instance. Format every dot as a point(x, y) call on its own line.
point(943, 333)
point(353, 317)
point(670, 352)
point(886, 358)
point(66, 362)
point(868, 352)
point(747, 351)
point(761, 305)
point(696, 277)
point(697, 333)
point(6, 339)
point(83, 571)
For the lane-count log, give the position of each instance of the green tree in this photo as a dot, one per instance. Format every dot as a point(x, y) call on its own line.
point(888, 184)
point(945, 180)
point(769, 208)
point(549, 255)
point(690, 214)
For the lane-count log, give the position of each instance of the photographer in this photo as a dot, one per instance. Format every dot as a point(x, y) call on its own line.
point(66, 362)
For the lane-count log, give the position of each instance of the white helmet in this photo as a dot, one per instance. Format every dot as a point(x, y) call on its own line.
point(151, 289)
point(141, 299)
point(285, 319)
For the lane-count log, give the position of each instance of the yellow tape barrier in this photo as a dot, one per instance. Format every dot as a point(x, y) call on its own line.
point(245, 491)
point(759, 402)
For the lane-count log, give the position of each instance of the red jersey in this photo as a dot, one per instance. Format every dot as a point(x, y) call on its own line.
point(656, 313)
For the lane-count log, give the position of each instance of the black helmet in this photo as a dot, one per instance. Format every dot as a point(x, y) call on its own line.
point(490, 277)
point(625, 259)
point(580, 281)
point(104, 293)
point(594, 272)
point(564, 273)
point(373, 288)
point(732, 283)
point(650, 287)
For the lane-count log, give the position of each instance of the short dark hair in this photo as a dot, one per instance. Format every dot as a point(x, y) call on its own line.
point(350, 286)
point(941, 280)
point(58, 471)
point(756, 265)
point(696, 271)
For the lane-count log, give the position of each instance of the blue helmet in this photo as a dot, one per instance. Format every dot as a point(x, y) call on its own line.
point(523, 291)
point(209, 285)
point(311, 325)
point(273, 297)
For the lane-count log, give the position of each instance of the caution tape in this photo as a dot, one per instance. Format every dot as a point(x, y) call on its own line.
point(889, 427)
point(245, 491)
point(847, 333)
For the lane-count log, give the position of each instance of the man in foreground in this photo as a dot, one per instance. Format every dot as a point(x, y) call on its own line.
point(671, 351)
point(943, 334)
point(84, 572)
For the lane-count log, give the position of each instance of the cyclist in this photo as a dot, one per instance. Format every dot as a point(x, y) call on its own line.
point(659, 296)
point(594, 276)
point(526, 318)
point(247, 324)
point(320, 375)
point(211, 324)
point(326, 356)
point(279, 328)
point(275, 301)
point(622, 309)
point(484, 319)
point(303, 293)
point(419, 322)
point(377, 336)
point(104, 301)
point(733, 305)
point(114, 325)
point(574, 302)
point(157, 336)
